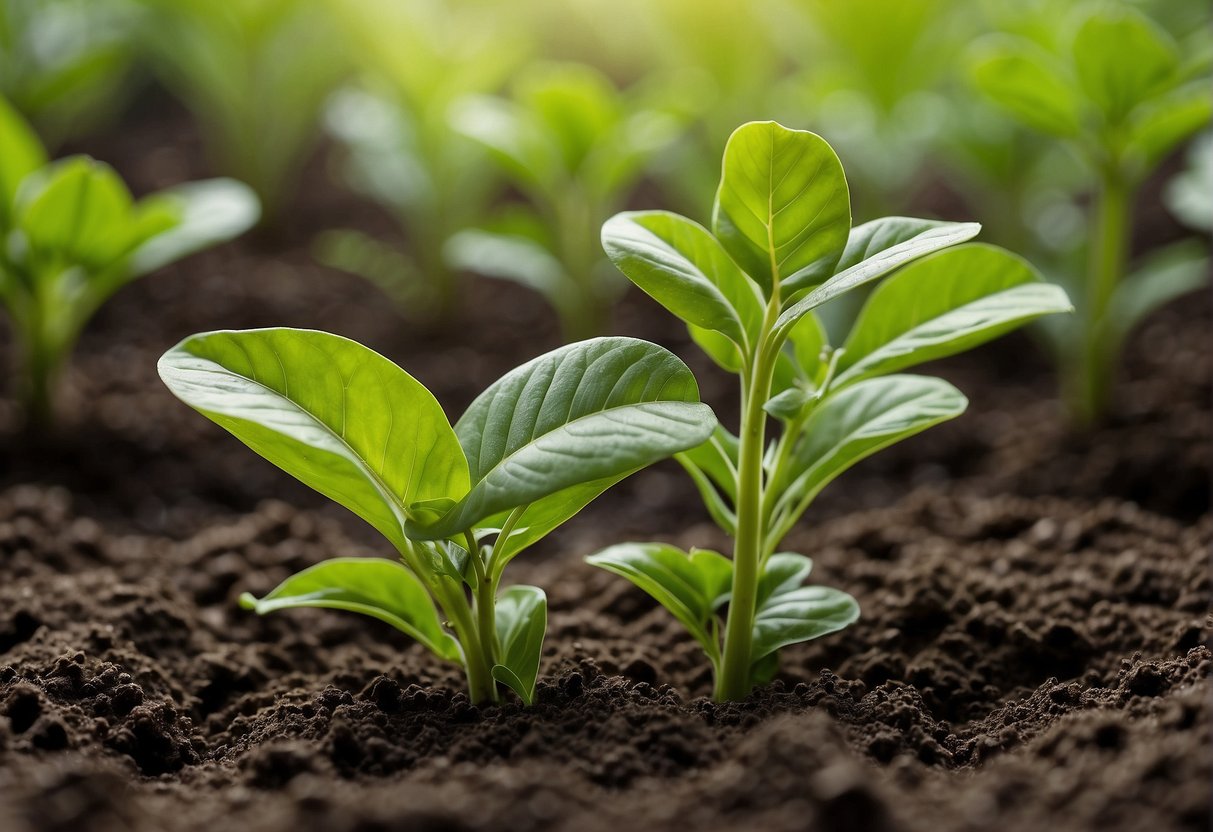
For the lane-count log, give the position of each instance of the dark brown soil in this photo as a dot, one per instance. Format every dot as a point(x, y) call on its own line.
point(1031, 653)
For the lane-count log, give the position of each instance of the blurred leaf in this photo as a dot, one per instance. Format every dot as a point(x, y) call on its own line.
point(207, 213)
point(1029, 83)
point(23, 154)
point(1123, 59)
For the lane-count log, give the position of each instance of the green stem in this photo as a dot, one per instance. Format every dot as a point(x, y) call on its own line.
point(1091, 374)
point(733, 681)
point(486, 612)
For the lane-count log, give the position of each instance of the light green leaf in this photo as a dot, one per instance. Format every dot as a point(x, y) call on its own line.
point(783, 209)
point(856, 422)
point(944, 304)
point(688, 585)
point(788, 404)
point(510, 257)
point(23, 154)
point(588, 411)
point(712, 466)
point(798, 615)
point(681, 265)
point(1160, 124)
point(330, 412)
point(522, 621)
point(1123, 59)
point(809, 341)
point(77, 209)
point(1167, 274)
point(379, 588)
point(718, 347)
point(1029, 83)
point(873, 250)
point(207, 212)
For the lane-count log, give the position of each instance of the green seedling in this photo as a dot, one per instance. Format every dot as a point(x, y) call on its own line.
point(457, 504)
point(66, 64)
point(1121, 94)
point(255, 74)
point(574, 146)
point(781, 246)
point(71, 236)
point(400, 150)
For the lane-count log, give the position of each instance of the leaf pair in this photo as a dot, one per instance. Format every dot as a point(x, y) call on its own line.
point(528, 454)
point(695, 586)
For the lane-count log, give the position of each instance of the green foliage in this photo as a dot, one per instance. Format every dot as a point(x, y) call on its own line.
point(780, 247)
point(1121, 93)
point(574, 145)
point(417, 60)
point(72, 235)
point(529, 453)
point(65, 64)
point(255, 74)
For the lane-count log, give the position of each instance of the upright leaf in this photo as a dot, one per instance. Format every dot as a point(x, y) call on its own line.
point(379, 588)
point(680, 264)
point(1026, 81)
point(588, 411)
point(801, 614)
point(330, 412)
point(1123, 59)
point(944, 304)
point(77, 208)
point(522, 620)
point(22, 155)
point(783, 209)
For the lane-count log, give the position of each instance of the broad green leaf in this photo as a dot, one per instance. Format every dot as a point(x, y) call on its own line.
point(379, 588)
point(688, 585)
point(522, 621)
point(681, 265)
point(783, 572)
point(208, 212)
point(783, 209)
point(22, 155)
point(873, 250)
point(798, 615)
point(1160, 124)
point(332, 413)
point(856, 422)
point(588, 411)
point(1123, 59)
point(944, 304)
point(1028, 82)
point(78, 209)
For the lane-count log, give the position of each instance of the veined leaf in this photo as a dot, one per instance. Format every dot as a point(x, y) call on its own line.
point(856, 422)
point(782, 572)
point(681, 265)
point(379, 588)
point(875, 249)
point(783, 209)
point(332, 413)
point(801, 614)
point(690, 585)
point(208, 212)
point(588, 411)
point(944, 304)
point(522, 621)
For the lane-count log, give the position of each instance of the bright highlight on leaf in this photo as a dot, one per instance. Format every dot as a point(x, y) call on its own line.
point(781, 246)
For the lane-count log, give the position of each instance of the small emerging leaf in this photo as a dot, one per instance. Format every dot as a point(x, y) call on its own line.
point(522, 621)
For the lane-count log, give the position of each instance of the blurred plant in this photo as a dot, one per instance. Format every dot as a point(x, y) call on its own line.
point(418, 58)
point(1120, 117)
point(1190, 194)
point(574, 146)
point(71, 236)
point(780, 247)
point(65, 64)
point(360, 430)
point(255, 74)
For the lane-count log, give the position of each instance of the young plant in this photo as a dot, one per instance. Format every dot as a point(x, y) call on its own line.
point(781, 245)
point(1121, 94)
point(255, 74)
point(457, 504)
point(575, 146)
point(399, 149)
point(71, 235)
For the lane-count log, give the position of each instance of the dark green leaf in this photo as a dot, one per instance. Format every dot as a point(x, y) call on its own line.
point(522, 620)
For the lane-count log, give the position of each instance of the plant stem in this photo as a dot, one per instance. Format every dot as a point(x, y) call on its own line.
point(486, 612)
point(1091, 374)
point(477, 664)
point(733, 681)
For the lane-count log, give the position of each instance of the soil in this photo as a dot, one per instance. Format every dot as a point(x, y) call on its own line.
point(1032, 651)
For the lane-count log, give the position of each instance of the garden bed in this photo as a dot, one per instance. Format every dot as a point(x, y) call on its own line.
point(1031, 651)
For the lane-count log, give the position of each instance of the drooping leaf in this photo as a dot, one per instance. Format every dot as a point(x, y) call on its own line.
point(681, 265)
point(856, 422)
point(875, 249)
point(689, 585)
point(1122, 59)
point(22, 155)
point(1028, 82)
point(379, 588)
point(207, 212)
point(330, 412)
point(522, 621)
point(783, 209)
point(588, 411)
point(944, 304)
